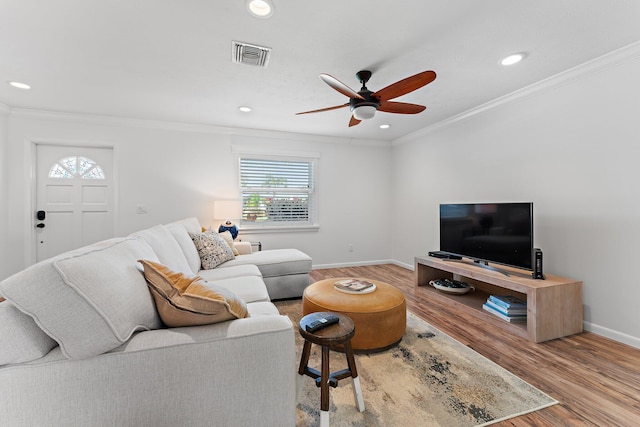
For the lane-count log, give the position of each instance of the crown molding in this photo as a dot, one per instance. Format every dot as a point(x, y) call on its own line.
point(613, 59)
point(103, 120)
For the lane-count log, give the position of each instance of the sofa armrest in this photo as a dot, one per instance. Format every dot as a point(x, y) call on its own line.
point(240, 372)
point(243, 248)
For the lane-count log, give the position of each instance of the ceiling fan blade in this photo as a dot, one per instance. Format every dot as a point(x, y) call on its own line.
point(325, 109)
point(353, 121)
point(400, 107)
point(405, 86)
point(339, 86)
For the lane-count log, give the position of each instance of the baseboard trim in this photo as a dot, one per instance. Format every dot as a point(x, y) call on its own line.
point(353, 264)
point(611, 334)
point(403, 265)
point(362, 264)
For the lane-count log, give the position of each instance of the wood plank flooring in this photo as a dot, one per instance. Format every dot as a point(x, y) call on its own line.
point(596, 380)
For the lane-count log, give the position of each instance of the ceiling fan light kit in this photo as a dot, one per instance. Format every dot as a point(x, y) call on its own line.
point(364, 112)
point(364, 103)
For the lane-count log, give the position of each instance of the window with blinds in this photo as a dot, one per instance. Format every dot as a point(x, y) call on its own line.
point(277, 192)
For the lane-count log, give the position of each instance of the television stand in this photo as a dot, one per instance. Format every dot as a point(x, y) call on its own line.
point(482, 264)
point(554, 306)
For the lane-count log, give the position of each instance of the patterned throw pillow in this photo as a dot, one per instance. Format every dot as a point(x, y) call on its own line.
point(185, 300)
point(212, 248)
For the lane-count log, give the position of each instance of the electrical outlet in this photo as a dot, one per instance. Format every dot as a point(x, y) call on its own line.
point(350, 247)
point(141, 210)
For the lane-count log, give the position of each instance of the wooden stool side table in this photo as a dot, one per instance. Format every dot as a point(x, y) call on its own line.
point(338, 334)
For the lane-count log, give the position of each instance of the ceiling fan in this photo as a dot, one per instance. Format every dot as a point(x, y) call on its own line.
point(365, 103)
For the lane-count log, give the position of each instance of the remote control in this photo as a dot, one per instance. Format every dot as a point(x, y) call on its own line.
point(322, 322)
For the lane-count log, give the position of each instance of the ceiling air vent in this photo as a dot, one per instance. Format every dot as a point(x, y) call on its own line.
point(251, 54)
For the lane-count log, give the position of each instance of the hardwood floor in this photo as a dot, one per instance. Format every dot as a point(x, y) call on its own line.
point(596, 380)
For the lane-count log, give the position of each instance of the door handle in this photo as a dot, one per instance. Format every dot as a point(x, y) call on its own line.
point(41, 225)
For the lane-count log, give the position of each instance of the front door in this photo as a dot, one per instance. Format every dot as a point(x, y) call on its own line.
point(74, 197)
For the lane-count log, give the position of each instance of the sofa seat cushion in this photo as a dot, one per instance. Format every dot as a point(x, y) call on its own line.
point(187, 300)
point(249, 288)
point(230, 272)
point(262, 308)
point(21, 339)
point(89, 300)
point(275, 262)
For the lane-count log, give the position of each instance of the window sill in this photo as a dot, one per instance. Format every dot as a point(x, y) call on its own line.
point(257, 229)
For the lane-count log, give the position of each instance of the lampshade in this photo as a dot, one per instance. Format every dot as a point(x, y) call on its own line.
point(364, 112)
point(227, 209)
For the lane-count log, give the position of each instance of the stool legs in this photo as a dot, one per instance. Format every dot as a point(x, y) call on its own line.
point(325, 378)
point(351, 362)
point(324, 388)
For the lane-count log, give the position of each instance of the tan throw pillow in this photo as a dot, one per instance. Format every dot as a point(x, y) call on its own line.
point(226, 235)
point(212, 248)
point(184, 300)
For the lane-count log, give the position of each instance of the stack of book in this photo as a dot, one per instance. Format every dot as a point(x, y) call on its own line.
point(507, 308)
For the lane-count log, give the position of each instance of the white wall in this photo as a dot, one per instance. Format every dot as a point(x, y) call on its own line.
point(572, 148)
point(177, 171)
point(4, 185)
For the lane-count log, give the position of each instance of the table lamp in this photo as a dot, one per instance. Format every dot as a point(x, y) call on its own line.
point(227, 210)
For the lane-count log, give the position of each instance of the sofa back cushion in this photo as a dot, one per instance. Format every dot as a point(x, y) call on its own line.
point(191, 224)
point(187, 300)
point(180, 233)
point(166, 247)
point(21, 340)
point(90, 302)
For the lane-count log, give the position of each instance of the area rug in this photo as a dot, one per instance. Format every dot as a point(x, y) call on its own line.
point(429, 379)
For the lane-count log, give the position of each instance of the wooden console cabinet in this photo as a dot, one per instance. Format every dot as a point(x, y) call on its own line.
point(554, 305)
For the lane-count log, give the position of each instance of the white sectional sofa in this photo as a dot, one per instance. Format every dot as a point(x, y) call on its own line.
point(82, 343)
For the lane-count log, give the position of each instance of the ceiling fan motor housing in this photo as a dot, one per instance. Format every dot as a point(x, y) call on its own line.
point(369, 100)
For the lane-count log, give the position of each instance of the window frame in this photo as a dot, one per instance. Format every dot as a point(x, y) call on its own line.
point(312, 224)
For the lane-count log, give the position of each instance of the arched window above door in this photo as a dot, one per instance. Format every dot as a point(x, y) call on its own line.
point(76, 166)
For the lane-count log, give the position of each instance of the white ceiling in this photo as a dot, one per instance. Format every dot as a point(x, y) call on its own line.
point(171, 59)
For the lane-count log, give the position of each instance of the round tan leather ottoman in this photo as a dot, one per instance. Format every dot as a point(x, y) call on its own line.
point(380, 317)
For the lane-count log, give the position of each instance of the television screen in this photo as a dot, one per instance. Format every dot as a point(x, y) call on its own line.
point(493, 232)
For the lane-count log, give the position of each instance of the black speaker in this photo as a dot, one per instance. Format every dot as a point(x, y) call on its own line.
point(537, 264)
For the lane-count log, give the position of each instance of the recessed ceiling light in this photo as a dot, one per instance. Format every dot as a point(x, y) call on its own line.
point(260, 8)
point(20, 85)
point(512, 59)
point(245, 109)
point(385, 126)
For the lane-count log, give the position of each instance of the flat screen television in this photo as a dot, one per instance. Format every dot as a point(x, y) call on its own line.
point(499, 233)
